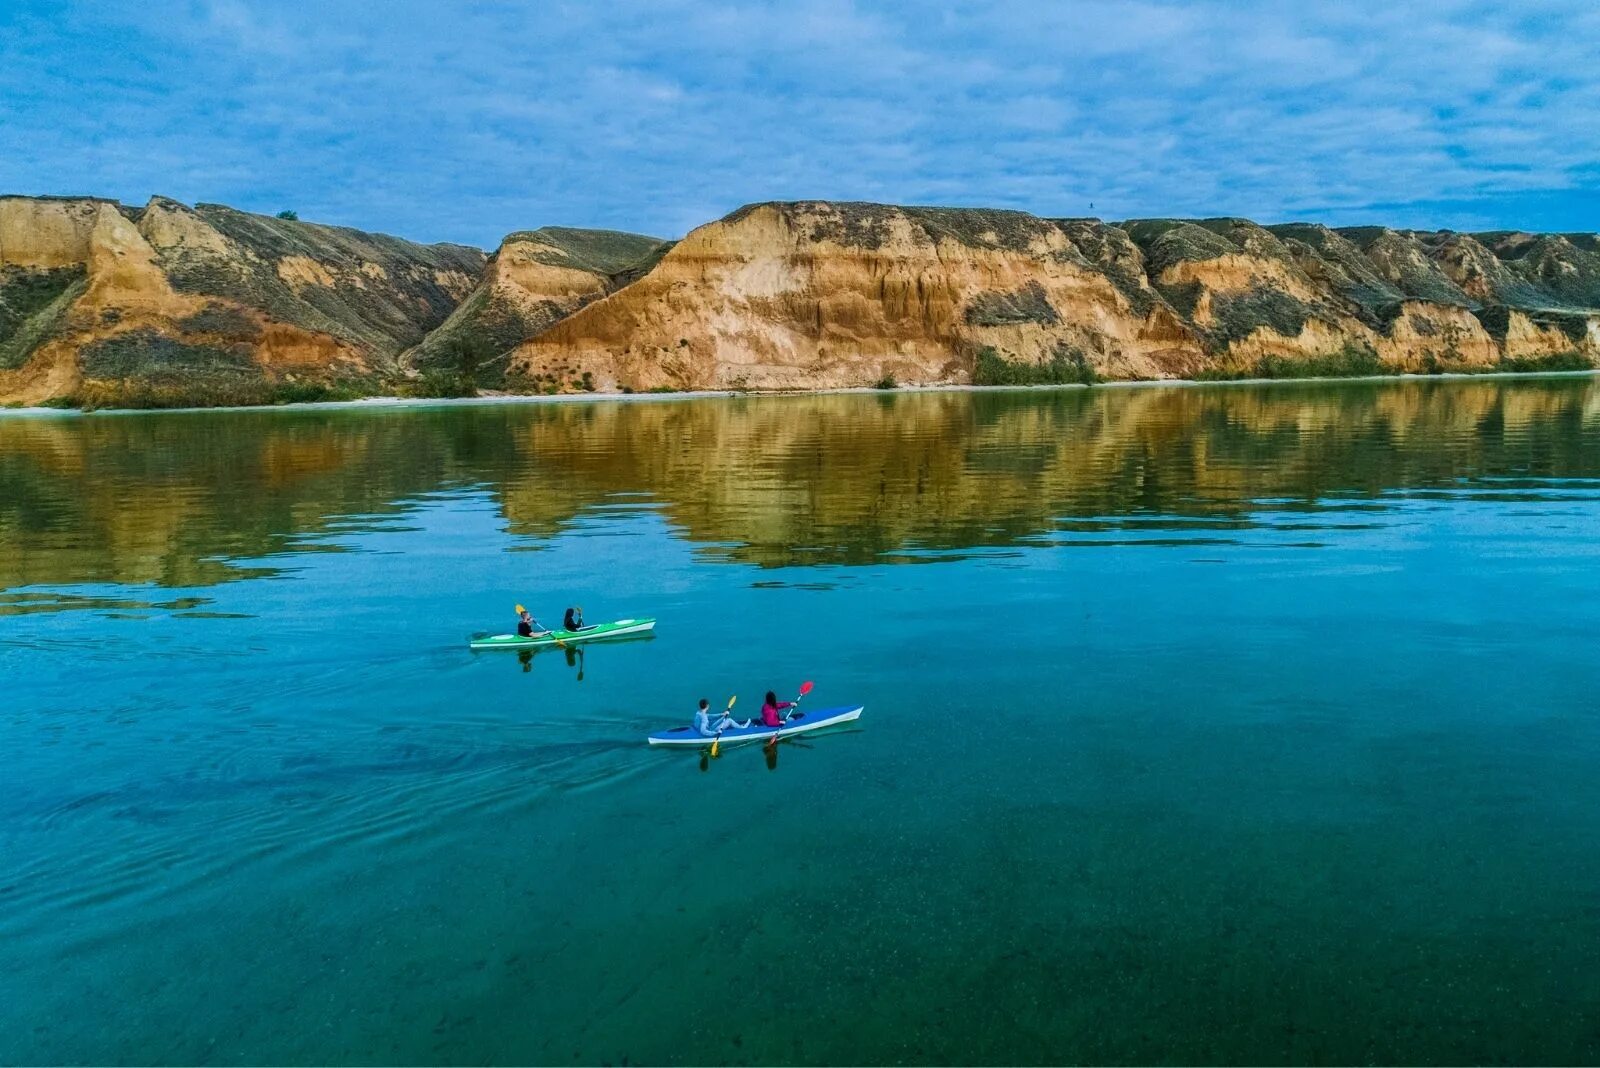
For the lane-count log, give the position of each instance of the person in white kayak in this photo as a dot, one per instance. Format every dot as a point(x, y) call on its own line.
point(709, 729)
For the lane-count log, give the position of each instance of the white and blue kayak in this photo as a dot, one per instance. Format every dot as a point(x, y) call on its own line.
point(799, 723)
point(598, 632)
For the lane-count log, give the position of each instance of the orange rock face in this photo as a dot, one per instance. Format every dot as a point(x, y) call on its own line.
point(819, 295)
point(168, 303)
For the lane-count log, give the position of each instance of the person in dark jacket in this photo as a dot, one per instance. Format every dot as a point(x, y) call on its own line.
point(527, 626)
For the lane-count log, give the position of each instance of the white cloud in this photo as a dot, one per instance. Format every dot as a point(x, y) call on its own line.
point(467, 120)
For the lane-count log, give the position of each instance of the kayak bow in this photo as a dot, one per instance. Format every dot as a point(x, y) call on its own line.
point(597, 632)
point(799, 723)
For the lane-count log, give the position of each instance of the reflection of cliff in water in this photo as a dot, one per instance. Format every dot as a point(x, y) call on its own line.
point(169, 500)
point(853, 479)
point(175, 500)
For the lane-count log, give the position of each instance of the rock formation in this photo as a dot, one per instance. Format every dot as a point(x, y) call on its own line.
point(533, 281)
point(170, 304)
point(809, 295)
point(103, 304)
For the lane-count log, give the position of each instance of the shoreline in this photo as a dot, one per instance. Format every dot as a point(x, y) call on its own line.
point(385, 403)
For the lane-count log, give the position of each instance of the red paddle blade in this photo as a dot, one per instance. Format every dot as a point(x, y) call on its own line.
point(805, 688)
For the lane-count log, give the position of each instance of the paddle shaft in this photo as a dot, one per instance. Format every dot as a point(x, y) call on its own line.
point(726, 714)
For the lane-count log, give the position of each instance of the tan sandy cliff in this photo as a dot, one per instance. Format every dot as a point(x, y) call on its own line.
point(101, 303)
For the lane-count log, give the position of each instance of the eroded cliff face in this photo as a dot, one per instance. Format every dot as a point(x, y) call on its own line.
point(819, 295)
point(825, 295)
point(534, 280)
point(100, 303)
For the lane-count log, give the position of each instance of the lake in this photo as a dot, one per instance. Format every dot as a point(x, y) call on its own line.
point(1203, 724)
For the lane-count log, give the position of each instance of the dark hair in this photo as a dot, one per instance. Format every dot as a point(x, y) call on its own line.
point(704, 703)
point(772, 698)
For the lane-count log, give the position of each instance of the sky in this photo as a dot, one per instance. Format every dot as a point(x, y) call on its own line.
point(462, 121)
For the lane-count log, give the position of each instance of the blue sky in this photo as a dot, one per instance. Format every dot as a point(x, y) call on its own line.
point(465, 120)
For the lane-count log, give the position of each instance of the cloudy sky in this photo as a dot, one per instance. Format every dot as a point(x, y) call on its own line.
point(464, 120)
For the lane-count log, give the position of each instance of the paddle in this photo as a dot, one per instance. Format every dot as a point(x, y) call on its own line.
point(716, 741)
point(805, 688)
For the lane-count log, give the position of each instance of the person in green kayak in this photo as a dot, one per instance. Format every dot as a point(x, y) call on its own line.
point(527, 626)
point(573, 622)
point(709, 728)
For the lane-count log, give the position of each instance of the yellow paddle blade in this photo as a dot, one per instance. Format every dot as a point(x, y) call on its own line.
point(731, 700)
point(520, 609)
point(714, 743)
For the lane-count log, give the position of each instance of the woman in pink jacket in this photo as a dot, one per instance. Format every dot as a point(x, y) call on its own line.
point(771, 708)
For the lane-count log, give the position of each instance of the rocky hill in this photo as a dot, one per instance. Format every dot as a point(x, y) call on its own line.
point(101, 303)
point(534, 280)
point(808, 295)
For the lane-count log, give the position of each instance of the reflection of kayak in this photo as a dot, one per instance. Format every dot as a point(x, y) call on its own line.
point(798, 723)
point(587, 634)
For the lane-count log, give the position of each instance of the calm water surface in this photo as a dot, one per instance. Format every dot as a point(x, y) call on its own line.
point(1207, 724)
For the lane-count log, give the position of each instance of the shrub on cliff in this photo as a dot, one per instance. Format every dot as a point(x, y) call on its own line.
point(1354, 360)
point(1067, 366)
point(1571, 360)
point(438, 384)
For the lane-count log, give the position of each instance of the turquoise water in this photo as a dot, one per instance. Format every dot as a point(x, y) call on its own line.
point(1209, 724)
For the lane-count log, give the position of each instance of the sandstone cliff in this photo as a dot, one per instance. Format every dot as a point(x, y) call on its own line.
point(811, 294)
point(101, 303)
point(534, 280)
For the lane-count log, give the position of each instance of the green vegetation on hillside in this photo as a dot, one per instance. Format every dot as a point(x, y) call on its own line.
point(1067, 366)
point(99, 395)
point(1329, 258)
point(1571, 360)
point(1405, 263)
point(157, 359)
point(221, 320)
point(1109, 250)
point(145, 369)
point(486, 327)
point(32, 302)
point(1238, 315)
point(856, 224)
point(1166, 242)
point(602, 252)
point(1496, 320)
point(1026, 305)
point(1354, 360)
point(382, 293)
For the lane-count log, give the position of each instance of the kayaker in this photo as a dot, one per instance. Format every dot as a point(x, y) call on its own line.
point(573, 621)
point(527, 626)
point(708, 729)
point(771, 708)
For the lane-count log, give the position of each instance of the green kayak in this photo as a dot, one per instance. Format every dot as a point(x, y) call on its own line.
point(595, 633)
